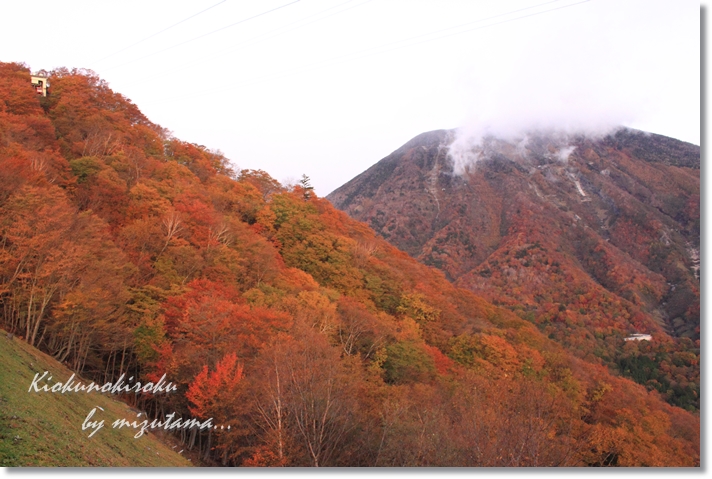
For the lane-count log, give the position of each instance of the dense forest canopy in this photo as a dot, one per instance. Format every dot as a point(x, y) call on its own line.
point(124, 249)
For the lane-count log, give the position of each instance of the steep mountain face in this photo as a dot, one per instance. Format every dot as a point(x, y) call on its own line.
point(591, 239)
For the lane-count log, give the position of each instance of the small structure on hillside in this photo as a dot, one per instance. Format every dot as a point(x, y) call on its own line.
point(41, 83)
point(639, 337)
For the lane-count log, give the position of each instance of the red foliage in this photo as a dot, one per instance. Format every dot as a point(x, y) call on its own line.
point(443, 364)
point(210, 388)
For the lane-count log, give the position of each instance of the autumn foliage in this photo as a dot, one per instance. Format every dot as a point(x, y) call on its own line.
point(124, 249)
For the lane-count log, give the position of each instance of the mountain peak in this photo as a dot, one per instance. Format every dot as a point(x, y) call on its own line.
point(546, 218)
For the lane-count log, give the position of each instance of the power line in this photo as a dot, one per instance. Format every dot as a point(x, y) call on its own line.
point(206, 34)
point(158, 33)
point(472, 29)
point(377, 47)
point(370, 51)
point(257, 39)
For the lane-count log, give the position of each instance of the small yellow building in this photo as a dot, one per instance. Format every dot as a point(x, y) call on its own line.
point(41, 83)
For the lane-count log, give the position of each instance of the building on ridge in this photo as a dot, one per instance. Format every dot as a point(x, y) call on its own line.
point(40, 83)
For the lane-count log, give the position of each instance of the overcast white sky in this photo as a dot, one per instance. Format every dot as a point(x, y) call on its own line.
point(328, 88)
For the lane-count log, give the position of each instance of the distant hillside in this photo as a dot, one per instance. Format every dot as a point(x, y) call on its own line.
point(46, 429)
point(590, 239)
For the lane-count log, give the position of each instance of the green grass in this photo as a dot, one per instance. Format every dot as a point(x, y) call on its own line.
point(45, 429)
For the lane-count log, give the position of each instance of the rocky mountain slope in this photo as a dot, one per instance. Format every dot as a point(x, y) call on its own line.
point(592, 239)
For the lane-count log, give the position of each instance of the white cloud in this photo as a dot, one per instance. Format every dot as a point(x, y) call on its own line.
point(587, 72)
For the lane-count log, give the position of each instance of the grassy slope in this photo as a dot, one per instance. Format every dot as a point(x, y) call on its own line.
point(45, 429)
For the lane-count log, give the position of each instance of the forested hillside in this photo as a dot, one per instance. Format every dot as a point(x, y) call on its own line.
point(124, 249)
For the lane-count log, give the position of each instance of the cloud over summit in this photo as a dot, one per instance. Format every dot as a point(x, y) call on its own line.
point(585, 73)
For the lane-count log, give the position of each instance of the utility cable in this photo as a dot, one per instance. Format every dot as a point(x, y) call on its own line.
point(205, 34)
point(370, 51)
point(255, 40)
point(158, 33)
